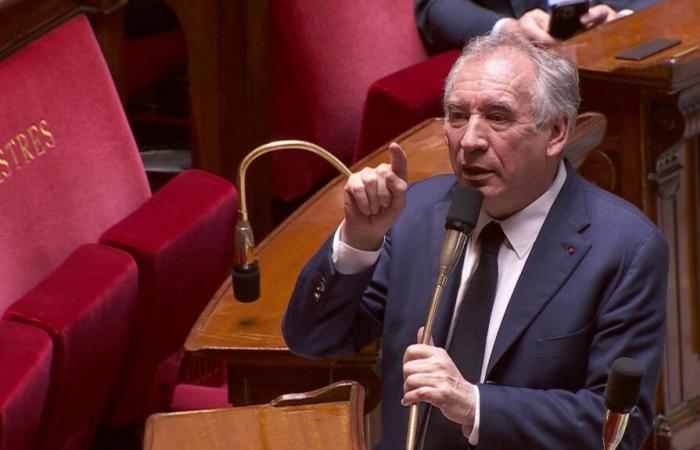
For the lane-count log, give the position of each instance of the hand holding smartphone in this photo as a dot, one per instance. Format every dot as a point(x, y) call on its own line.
point(565, 18)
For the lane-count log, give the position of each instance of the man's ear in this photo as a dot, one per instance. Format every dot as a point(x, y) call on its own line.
point(559, 134)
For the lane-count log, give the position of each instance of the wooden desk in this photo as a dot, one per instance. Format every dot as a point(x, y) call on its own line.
point(248, 336)
point(330, 418)
point(649, 157)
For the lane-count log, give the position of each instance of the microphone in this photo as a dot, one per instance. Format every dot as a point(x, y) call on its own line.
point(461, 220)
point(245, 273)
point(621, 394)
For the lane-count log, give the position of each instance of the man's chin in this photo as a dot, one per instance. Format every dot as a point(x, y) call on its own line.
point(481, 183)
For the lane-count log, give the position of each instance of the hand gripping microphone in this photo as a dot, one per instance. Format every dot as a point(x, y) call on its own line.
point(461, 220)
point(621, 396)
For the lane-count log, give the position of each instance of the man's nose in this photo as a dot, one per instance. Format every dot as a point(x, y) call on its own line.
point(474, 138)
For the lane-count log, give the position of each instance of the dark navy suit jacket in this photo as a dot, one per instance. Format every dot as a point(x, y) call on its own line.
point(449, 24)
point(592, 290)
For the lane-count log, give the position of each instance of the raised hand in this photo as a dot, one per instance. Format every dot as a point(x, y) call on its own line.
point(374, 198)
point(533, 26)
point(599, 14)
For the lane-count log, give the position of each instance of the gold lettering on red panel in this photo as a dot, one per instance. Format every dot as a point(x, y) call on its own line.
point(44, 127)
point(37, 145)
point(23, 142)
point(24, 147)
point(5, 170)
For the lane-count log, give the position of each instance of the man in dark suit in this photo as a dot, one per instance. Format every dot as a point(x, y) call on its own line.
point(448, 24)
point(579, 278)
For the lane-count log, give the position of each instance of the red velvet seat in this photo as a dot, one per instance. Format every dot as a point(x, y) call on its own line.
point(25, 365)
point(86, 306)
point(324, 57)
point(183, 257)
point(403, 99)
point(70, 171)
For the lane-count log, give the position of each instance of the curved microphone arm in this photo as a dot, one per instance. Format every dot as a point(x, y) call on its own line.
point(245, 272)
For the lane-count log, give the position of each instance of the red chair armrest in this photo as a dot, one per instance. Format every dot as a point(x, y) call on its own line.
point(182, 242)
point(25, 364)
point(401, 100)
point(86, 306)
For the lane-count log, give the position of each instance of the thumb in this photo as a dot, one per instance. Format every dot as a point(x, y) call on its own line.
point(419, 337)
point(399, 163)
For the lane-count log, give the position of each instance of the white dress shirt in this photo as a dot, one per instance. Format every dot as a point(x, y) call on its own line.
point(520, 229)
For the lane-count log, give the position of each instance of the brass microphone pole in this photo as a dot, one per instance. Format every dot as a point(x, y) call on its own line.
point(460, 221)
point(245, 273)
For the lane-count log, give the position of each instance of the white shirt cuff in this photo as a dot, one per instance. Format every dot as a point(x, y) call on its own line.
point(498, 25)
point(473, 433)
point(349, 260)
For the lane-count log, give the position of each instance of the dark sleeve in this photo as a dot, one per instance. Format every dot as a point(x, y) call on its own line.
point(331, 314)
point(630, 323)
point(449, 24)
point(634, 5)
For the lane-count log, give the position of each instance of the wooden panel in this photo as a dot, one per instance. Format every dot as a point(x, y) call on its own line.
point(226, 48)
point(328, 419)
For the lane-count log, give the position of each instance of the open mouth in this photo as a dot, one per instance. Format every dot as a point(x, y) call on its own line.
point(475, 172)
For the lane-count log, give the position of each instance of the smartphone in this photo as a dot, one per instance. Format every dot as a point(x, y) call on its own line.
point(565, 18)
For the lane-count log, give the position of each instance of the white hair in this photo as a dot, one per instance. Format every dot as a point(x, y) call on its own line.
point(556, 93)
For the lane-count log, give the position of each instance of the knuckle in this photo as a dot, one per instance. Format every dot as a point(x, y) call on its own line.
point(356, 189)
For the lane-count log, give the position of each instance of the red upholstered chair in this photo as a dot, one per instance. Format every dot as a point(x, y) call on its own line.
point(86, 306)
point(70, 173)
point(182, 242)
point(324, 57)
point(403, 99)
point(65, 177)
point(25, 365)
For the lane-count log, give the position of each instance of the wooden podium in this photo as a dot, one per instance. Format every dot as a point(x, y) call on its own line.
point(649, 157)
point(329, 418)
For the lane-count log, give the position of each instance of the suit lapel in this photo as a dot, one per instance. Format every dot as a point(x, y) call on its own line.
point(557, 251)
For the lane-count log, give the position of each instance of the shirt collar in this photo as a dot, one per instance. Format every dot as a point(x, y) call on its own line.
point(521, 229)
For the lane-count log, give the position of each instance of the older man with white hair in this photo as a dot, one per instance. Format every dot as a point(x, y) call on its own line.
point(561, 279)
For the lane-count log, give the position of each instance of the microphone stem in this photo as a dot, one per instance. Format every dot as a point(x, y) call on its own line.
point(279, 145)
point(427, 331)
point(450, 253)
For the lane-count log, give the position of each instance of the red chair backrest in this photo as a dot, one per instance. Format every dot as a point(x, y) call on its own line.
point(69, 166)
point(324, 56)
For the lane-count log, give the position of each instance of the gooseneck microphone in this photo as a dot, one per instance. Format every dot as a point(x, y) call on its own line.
point(621, 394)
point(245, 273)
point(461, 220)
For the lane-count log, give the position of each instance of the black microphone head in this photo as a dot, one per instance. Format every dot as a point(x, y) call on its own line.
point(246, 282)
point(622, 391)
point(464, 209)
